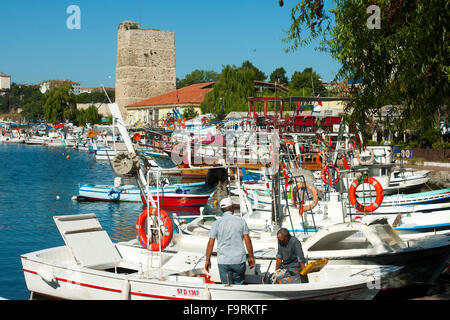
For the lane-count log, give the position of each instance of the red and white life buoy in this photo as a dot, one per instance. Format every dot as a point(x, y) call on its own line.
point(370, 161)
point(352, 194)
point(181, 120)
point(327, 177)
point(137, 136)
point(167, 228)
point(205, 120)
point(171, 126)
point(295, 196)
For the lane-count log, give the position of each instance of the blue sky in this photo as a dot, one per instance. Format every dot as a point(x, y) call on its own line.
point(37, 45)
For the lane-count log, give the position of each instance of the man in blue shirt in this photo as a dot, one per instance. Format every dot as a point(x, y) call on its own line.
point(230, 230)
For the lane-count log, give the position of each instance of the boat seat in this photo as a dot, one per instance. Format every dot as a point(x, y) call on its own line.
point(88, 243)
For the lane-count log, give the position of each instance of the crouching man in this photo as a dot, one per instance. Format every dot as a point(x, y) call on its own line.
point(290, 259)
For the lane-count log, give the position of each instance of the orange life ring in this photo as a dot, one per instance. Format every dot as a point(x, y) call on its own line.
point(167, 224)
point(171, 126)
point(181, 120)
point(370, 161)
point(294, 196)
point(352, 194)
point(325, 174)
point(137, 136)
point(205, 120)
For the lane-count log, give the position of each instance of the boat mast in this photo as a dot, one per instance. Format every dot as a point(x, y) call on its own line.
point(118, 120)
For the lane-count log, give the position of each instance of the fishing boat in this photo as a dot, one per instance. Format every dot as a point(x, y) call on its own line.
point(422, 258)
point(90, 266)
point(373, 243)
point(107, 153)
point(35, 141)
point(13, 140)
point(182, 194)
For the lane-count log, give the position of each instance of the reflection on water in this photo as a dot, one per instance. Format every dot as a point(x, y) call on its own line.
point(37, 183)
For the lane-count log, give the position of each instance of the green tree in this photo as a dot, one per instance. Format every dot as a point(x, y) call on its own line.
point(96, 96)
point(189, 113)
point(4, 102)
point(32, 108)
point(231, 91)
point(406, 60)
point(92, 115)
point(259, 75)
point(279, 76)
point(197, 76)
point(60, 103)
point(307, 80)
point(27, 97)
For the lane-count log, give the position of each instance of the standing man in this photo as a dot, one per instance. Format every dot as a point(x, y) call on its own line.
point(290, 254)
point(230, 231)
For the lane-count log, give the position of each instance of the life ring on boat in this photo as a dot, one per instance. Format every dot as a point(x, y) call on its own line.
point(205, 120)
point(370, 161)
point(181, 120)
point(171, 126)
point(325, 174)
point(295, 196)
point(114, 194)
point(167, 226)
point(352, 194)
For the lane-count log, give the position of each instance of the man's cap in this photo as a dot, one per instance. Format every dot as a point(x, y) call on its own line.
point(226, 202)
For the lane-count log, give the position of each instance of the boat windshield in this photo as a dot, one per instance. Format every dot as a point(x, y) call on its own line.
point(163, 161)
point(343, 240)
point(389, 237)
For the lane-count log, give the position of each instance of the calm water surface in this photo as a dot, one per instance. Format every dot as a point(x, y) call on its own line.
point(31, 178)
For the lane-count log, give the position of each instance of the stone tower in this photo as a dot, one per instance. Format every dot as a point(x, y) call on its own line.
point(145, 64)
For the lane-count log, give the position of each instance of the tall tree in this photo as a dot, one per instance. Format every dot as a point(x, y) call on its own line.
point(399, 49)
point(259, 75)
point(197, 76)
point(279, 76)
point(308, 81)
point(32, 108)
point(231, 91)
point(60, 102)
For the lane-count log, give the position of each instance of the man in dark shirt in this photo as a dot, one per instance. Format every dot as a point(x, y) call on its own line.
point(290, 254)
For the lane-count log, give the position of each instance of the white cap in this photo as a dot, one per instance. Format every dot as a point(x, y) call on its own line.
point(226, 202)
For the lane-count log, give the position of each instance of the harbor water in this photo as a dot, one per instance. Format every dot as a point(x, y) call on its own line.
point(37, 183)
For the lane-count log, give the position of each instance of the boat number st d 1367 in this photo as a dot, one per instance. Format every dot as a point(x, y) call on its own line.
point(188, 292)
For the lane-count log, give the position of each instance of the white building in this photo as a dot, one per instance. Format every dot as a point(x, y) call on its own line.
point(90, 90)
point(45, 85)
point(5, 82)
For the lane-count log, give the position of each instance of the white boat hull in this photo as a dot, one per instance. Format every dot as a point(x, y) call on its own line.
point(68, 281)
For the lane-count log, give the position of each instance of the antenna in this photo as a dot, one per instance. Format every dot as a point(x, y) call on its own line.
point(104, 90)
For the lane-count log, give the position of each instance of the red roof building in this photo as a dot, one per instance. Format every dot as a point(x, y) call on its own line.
point(156, 108)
